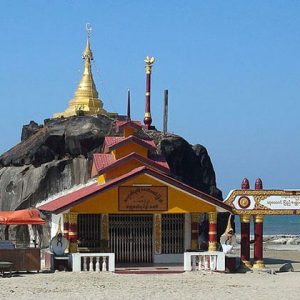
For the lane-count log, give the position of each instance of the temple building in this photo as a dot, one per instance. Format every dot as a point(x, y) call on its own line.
point(132, 206)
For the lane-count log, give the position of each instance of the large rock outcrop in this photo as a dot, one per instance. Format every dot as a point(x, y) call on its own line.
point(189, 164)
point(57, 155)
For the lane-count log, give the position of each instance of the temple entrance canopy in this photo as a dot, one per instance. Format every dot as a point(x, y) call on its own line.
point(257, 204)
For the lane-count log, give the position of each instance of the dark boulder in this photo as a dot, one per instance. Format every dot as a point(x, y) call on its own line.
point(29, 130)
point(73, 136)
point(190, 164)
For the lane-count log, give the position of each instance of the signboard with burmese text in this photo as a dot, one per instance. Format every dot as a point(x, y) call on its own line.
point(282, 202)
point(264, 202)
point(143, 198)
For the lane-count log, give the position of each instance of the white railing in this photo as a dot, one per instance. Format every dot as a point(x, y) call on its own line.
point(93, 262)
point(208, 261)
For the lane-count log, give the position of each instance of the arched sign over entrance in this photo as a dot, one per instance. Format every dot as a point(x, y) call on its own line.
point(258, 203)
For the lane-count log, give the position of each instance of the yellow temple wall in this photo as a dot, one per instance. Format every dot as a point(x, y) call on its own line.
point(129, 148)
point(122, 169)
point(178, 201)
point(129, 131)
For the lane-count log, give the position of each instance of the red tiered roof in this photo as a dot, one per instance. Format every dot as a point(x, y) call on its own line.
point(133, 124)
point(104, 164)
point(113, 140)
point(102, 160)
point(149, 144)
point(160, 160)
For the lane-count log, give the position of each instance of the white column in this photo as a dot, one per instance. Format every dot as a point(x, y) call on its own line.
point(76, 262)
point(111, 262)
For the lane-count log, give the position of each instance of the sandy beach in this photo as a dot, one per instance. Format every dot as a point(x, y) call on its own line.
point(192, 285)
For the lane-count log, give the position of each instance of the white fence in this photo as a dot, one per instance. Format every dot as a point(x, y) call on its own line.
point(93, 262)
point(210, 261)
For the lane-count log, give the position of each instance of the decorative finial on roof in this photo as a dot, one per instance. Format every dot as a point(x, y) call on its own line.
point(128, 105)
point(147, 118)
point(88, 28)
point(258, 184)
point(88, 54)
point(149, 62)
point(245, 184)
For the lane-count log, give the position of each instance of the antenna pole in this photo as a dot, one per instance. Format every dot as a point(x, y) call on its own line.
point(128, 105)
point(166, 103)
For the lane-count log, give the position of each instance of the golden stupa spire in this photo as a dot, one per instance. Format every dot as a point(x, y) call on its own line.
point(85, 101)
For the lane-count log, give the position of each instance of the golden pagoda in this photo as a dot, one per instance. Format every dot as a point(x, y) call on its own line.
point(85, 101)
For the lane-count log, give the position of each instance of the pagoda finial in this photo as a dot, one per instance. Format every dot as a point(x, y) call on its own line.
point(147, 118)
point(88, 28)
point(128, 105)
point(87, 88)
point(88, 54)
point(86, 99)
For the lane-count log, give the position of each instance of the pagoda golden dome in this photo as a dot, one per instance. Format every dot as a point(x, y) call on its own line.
point(86, 99)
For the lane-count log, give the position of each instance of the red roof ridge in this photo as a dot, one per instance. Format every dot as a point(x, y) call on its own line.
point(144, 142)
point(161, 165)
point(111, 140)
point(102, 160)
point(73, 189)
point(128, 123)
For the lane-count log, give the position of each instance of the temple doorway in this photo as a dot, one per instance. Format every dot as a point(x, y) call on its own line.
point(172, 233)
point(131, 238)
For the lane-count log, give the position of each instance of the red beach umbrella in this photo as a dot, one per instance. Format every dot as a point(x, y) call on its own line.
point(21, 217)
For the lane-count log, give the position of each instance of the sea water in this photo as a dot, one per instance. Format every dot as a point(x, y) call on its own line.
point(276, 225)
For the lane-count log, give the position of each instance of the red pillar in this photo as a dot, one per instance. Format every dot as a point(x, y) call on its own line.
point(258, 234)
point(147, 117)
point(212, 231)
point(245, 241)
point(245, 233)
point(258, 242)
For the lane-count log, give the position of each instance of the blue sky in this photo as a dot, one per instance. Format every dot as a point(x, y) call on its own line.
point(232, 69)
